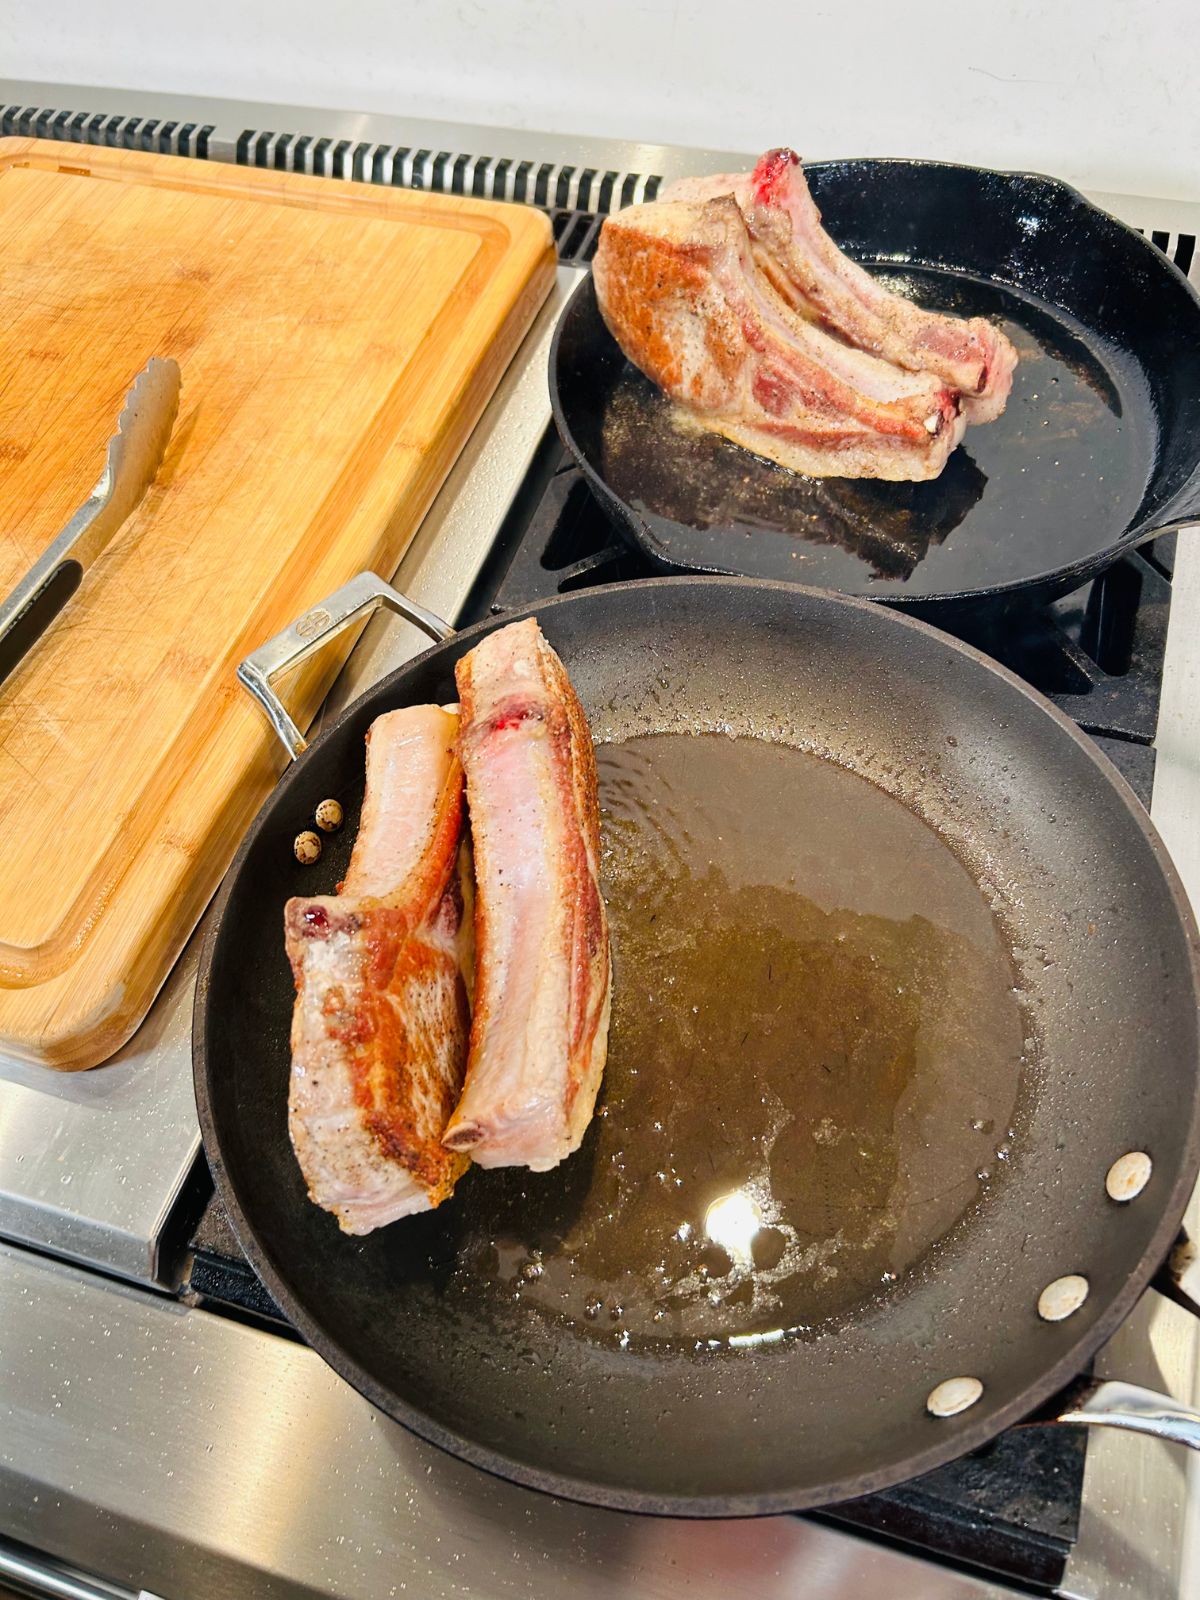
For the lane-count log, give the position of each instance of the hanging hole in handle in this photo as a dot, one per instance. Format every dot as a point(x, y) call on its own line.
point(345, 607)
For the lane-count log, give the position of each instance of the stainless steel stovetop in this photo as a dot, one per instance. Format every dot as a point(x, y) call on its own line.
point(169, 1448)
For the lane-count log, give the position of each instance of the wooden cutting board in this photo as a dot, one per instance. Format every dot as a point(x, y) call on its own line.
point(337, 343)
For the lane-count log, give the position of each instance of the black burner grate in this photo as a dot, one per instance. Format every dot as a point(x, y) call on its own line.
point(1011, 1508)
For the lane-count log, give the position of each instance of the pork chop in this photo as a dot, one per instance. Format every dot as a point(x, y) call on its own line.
point(382, 972)
point(542, 982)
point(682, 292)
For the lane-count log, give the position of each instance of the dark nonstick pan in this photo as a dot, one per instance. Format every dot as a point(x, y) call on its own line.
point(1098, 448)
point(431, 1318)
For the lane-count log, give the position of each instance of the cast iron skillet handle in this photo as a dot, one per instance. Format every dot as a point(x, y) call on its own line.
point(1148, 535)
point(1109, 1403)
point(309, 633)
point(1183, 511)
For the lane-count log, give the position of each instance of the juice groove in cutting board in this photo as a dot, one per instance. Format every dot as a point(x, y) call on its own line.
point(337, 343)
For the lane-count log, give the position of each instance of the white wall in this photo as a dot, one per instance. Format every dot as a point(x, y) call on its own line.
point(1102, 92)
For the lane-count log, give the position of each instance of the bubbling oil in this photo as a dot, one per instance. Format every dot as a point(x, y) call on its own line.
point(814, 1065)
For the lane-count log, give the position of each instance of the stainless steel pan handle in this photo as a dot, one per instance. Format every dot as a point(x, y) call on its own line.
point(311, 632)
point(1110, 1403)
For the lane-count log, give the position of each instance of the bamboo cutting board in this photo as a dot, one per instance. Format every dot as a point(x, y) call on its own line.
point(337, 342)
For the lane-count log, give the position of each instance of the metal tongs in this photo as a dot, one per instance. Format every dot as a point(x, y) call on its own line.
point(135, 454)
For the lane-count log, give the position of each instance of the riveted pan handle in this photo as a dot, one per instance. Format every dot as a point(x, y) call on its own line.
point(311, 632)
point(1108, 1403)
point(1111, 1403)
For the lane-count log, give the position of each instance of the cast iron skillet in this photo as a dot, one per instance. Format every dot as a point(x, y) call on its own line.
point(1098, 448)
point(1086, 891)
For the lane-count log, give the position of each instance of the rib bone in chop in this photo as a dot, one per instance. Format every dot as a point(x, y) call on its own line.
point(540, 1028)
point(380, 1026)
point(804, 264)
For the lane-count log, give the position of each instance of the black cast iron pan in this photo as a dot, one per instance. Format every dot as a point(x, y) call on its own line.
point(1098, 448)
point(1082, 886)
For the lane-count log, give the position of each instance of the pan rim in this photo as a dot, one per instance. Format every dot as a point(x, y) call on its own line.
point(966, 1436)
point(1060, 579)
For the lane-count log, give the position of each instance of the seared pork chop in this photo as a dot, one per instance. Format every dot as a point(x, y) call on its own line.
point(380, 1026)
point(540, 1027)
point(681, 290)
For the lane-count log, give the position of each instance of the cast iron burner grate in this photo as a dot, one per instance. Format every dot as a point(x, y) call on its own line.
point(1011, 1509)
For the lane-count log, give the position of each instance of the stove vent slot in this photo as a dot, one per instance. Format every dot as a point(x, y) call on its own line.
point(124, 133)
point(576, 233)
point(555, 188)
point(1179, 248)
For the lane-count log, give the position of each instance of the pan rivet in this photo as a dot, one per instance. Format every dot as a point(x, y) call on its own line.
point(329, 816)
point(1128, 1175)
point(307, 847)
point(952, 1396)
point(1062, 1297)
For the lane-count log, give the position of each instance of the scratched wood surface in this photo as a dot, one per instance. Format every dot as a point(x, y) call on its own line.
point(337, 343)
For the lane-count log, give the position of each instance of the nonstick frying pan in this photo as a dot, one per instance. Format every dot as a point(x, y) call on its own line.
point(1084, 890)
point(1098, 449)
